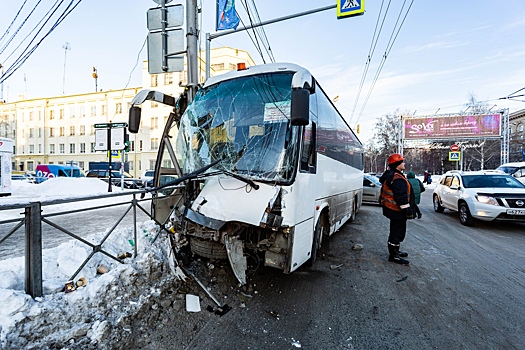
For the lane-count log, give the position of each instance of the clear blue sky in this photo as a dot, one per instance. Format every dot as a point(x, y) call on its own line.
point(444, 51)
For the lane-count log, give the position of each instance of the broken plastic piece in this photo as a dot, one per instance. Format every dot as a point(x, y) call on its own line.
point(192, 303)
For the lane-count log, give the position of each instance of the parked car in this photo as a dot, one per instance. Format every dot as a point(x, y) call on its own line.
point(49, 171)
point(483, 195)
point(516, 169)
point(147, 178)
point(371, 189)
point(129, 181)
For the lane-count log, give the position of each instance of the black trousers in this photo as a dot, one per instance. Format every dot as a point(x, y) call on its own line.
point(398, 229)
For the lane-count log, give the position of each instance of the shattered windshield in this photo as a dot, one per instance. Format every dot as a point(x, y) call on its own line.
point(244, 124)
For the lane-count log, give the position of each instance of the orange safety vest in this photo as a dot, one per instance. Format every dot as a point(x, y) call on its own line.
point(387, 196)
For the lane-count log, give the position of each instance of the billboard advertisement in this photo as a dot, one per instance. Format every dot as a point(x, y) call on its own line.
point(453, 127)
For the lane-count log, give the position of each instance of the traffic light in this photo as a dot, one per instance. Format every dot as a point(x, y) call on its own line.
point(127, 144)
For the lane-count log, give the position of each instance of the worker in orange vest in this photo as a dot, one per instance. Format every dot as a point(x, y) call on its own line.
point(398, 202)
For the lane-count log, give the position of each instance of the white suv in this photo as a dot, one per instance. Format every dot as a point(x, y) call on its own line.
point(483, 195)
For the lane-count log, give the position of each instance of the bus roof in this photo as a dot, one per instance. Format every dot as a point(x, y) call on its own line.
point(259, 69)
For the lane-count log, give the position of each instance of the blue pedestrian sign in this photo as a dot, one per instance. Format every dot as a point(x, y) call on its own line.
point(349, 8)
point(454, 156)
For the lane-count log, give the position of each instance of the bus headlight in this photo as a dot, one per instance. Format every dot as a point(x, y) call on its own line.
point(487, 200)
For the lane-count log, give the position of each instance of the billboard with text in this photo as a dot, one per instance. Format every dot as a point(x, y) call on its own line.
point(453, 127)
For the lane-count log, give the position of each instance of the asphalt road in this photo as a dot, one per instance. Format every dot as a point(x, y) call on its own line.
point(464, 289)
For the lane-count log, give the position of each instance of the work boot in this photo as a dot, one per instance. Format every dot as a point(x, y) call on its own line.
point(401, 254)
point(394, 256)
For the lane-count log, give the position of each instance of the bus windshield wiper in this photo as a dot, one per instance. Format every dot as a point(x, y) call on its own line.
point(240, 178)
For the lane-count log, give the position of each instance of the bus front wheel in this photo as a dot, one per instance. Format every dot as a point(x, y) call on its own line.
point(319, 233)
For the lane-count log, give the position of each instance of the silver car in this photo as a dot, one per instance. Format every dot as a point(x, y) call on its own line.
point(371, 189)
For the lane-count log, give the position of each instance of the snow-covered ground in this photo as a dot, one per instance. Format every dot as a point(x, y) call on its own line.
point(60, 319)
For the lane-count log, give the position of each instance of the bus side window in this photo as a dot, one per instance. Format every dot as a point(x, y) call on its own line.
point(308, 154)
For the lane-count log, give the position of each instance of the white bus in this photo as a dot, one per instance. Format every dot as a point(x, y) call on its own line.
point(273, 167)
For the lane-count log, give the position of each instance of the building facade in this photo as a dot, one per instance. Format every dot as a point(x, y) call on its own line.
point(61, 130)
point(517, 136)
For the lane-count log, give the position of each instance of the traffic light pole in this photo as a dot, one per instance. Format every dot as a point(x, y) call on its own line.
point(110, 188)
point(192, 36)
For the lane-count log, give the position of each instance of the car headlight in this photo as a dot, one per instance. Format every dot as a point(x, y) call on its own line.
point(487, 200)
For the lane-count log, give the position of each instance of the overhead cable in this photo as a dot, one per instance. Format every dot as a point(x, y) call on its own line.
point(385, 55)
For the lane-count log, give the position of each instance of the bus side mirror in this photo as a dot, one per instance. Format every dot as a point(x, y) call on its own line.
point(134, 119)
point(300, 108)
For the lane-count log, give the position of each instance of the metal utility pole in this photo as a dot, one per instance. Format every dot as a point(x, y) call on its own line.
point(66, 48)
point(1, 84)
point(192, 36)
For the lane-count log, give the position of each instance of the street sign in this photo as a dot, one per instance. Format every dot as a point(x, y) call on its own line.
point(454, 148)
point(174, 17)
point(119, 125)
point(174, 43)
point(349, 8)
point(117, 139)
point(454, 156)
point(101, 125)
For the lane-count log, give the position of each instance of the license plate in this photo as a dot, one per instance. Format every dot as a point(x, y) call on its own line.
point(515, 212)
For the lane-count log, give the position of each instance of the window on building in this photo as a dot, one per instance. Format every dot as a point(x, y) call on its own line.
point(51, 132)
point(154, 143)
point(61, 113)
point(31, 116)
point(92, 147)
point(72, 130)
point(82, 148)
point(168, 78)
point(118, 107)
point(82, 111)
point(40, 148)
point(217, 66)
point(51, 115)
point(93, 111)
point(51, 149)
point(39, 115)
point(22, 116)
point(31, 132)
point(92, 130)
point(183, 78)
point(62, 148)
point(131, 165)
point(140, 146)
point(151, 164)
point(154, 104)
point(82, 130)
point(39, 132)
point(154, 80)
point(31, 149)
point(62, 131)
point(233, 66)
point(154, 123)
point(72, 148)
point(72, 111)
point(81, 164)
point(103, 107)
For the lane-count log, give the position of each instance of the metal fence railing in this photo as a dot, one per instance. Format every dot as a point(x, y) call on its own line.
point(33, 218)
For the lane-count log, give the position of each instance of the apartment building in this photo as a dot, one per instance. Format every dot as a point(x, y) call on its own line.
point(59, 130)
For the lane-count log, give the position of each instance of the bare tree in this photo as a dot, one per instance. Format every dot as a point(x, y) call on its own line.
point(383, 143)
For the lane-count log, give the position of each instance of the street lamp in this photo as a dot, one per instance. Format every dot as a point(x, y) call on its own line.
point(95, 75)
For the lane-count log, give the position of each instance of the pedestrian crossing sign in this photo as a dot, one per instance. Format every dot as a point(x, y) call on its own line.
point(349, 8)
point(454, 156)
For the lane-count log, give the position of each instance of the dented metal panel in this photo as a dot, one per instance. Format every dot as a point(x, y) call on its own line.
point(228, 199)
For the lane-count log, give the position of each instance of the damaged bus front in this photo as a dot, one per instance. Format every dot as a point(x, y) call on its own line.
point(267, 168)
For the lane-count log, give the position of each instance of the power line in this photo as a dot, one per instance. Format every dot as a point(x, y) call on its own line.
point(385, 55)
point(27, 51)
point(371, 51)
point(13, 21)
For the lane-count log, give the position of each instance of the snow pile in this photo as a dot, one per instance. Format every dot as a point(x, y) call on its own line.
point(87, 316)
